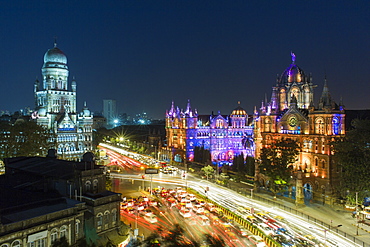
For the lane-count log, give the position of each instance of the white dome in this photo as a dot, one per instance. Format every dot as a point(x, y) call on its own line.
point(41, 112)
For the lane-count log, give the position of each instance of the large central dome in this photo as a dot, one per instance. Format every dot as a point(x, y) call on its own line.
point(55, 57)
point(293, 73)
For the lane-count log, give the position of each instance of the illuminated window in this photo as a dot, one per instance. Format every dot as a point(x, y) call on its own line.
point(319, 126)
point(335, 126)
point(267, 125)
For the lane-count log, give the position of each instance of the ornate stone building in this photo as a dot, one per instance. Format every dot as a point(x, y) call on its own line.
point(291, 113)
point(56, 107)
point(225, 136)
point(45, 199)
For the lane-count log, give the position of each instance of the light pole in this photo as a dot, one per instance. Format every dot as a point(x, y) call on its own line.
point(251, 193)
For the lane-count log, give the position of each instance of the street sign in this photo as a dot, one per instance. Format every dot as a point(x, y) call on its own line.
point(151, 171)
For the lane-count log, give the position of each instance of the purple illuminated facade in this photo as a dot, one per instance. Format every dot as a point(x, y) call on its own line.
point(225, 136)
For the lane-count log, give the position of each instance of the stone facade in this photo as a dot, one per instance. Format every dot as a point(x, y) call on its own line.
point(291, 114)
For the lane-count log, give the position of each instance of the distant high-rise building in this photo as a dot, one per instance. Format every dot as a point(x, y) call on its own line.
point(56, 107)
point(110, 112)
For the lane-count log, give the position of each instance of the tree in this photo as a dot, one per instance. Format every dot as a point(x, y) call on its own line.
point(25, 138)
point(201, 155)
point(208, 171)
point(352, 154)
point(276, 162)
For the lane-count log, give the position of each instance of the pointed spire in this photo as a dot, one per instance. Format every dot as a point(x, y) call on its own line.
point(293, 57)
point(255, 110)
point(55, 41)
point(326, 101)
point(188, 109)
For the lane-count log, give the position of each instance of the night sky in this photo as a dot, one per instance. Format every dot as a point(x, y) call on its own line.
point(146, 54)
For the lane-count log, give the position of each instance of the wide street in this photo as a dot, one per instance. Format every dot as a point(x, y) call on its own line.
point(247, 207)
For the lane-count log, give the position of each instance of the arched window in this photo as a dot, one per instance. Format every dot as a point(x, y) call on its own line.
point(95, 185)
point(316, 162)
point(4, 245)
point(335, 126)
point(16, 243)
point(267, 125)
point(323, 164)
point(219, 123)
point(77, 227)
point(87, 186)
point(63, 232)
point(114, 216)
point(54, 235)
point(319, 126)
point(106, 217)
point(99, 219)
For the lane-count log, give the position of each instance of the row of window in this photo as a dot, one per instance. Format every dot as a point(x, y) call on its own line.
point(103, 220)
point(55, 234)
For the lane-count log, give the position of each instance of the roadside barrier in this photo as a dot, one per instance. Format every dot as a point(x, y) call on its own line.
point(240, 220)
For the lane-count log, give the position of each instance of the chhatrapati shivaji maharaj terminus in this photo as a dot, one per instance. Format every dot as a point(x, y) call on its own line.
point(292, 114)
point(56, 107)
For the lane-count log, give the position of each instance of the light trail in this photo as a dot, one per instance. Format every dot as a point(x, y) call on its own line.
point(232, 200)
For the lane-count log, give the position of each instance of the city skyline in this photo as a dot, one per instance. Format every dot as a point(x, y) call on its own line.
point(146, 55)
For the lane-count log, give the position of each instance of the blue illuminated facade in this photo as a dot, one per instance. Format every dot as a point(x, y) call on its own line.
point(225, 136)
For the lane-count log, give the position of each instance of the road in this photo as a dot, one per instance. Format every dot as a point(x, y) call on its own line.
point(233, 201)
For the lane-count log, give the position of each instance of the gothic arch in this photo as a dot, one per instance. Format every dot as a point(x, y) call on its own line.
point(307, 191)
point(268, 124)
point(335, 126)
point(16, 243)
point(319, 125)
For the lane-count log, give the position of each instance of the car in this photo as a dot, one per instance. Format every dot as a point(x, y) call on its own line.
point(185, 213)
point(266, 229)
point(151, 218)
point(201, 202)
point(191, 197)
point(205, 220)
point(232, 237)
point(257, 240)
point(146, 212)
point(242, 231)
point(198, 209)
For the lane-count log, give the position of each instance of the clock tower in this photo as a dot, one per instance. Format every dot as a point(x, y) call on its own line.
point(291, 113)
point(56, 107)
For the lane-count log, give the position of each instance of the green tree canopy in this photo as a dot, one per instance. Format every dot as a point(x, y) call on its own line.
point(25, 138)
point(208, 171)
point(276, 162)
point(352, 154)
